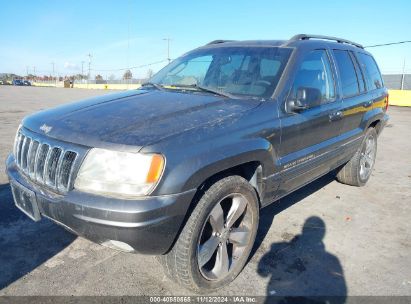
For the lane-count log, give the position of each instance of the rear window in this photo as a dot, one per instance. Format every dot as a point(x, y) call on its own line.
point(371, 71)
point(348, 76)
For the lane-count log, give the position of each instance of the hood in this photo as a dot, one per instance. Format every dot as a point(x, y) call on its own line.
point(134, 118)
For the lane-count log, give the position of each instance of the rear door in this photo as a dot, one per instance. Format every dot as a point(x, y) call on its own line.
point(357, 99)
point(373, 79)
point(308, 136)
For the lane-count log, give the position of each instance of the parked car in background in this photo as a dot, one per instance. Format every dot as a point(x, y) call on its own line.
point(1, 82)
point(26, 83)
point(18, 82)
point(181, 167)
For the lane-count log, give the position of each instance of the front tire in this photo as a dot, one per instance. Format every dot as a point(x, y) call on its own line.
point(358, 170)
point(217, 239)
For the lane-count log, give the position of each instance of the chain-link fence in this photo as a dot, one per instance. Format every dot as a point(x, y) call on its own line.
point(111, 81)
point(59, 83)
point(391, 81)
point(397, 81)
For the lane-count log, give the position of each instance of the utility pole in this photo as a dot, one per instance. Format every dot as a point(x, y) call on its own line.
point(52, 75)
point(27, 71)
point(89, 67)
point(82, 69)
point(403, 75)
point(168, 48)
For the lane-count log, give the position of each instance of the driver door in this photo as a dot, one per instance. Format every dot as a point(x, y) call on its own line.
point(310, 136)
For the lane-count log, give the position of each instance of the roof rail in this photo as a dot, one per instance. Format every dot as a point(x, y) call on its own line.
point(339, 40)
point(218, 41)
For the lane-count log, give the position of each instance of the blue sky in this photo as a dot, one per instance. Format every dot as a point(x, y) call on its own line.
point(127, 33)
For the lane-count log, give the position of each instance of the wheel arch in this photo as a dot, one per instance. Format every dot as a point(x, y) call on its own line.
point(373, 119)
point(377, 125)
point(252, 165)
point(251, 170)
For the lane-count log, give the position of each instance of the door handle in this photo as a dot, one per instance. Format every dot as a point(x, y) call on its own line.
point(367, 104)
point(336, 116)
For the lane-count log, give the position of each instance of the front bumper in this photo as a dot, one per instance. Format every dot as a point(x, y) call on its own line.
point(149, 225)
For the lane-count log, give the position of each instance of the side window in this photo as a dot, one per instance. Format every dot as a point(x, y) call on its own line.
point(348, 77)
point(315, 73)
point(372, 73)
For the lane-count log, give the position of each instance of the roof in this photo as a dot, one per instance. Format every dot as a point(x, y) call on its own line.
point(295, 41)
point(246, 43)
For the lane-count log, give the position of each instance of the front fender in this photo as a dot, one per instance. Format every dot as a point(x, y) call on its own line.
point(194, 168)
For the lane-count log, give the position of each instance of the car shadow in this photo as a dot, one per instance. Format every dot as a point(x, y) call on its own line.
point(24, 244)
point(300, 269)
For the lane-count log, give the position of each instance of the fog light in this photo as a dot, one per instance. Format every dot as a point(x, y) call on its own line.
point(118, 245)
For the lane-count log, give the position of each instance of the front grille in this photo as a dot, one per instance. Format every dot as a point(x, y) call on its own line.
point(44, 162)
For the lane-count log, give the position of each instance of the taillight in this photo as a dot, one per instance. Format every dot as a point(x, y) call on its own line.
point(386, 101)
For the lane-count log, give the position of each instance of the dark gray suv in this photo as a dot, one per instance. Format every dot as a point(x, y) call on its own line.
point(181, 167)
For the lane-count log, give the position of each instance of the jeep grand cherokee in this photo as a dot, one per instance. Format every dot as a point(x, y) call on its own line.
point(181, 167)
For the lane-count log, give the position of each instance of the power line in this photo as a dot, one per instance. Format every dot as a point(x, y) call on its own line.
point(386, 44)
point(169, 59)
point(132, 68)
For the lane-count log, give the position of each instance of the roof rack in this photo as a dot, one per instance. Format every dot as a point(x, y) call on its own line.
point(218, 41)
point(339, 40)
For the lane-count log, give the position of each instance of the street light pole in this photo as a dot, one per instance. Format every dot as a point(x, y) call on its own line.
point(89, 68)
point(168, 48)
point(403, 75)
point(52, 75)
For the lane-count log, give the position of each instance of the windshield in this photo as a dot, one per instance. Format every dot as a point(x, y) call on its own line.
point(235, 71)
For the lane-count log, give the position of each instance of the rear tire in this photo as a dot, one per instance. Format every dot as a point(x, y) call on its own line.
point(358, 170)
point(217, 239)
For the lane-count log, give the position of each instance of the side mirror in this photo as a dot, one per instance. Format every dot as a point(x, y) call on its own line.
point(306, 98)
point(296, 106)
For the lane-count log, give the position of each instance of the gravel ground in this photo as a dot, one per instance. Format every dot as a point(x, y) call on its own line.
point(360, 243)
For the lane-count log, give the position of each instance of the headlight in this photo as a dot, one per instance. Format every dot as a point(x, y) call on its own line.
point(119, 174)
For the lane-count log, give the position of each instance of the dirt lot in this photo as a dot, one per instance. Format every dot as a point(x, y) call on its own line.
point(360, 243)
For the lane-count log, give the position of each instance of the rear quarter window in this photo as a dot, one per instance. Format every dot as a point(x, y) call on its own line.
point(371, 71)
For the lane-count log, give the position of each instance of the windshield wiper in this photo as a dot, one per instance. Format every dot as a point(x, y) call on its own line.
point(153, 84)
point(204, 89)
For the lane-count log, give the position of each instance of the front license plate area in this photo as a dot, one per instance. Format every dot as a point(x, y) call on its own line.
point(25, 200)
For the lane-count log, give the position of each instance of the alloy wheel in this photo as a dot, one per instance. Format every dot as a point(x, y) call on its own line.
point(224, 236)
point(367, 157)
